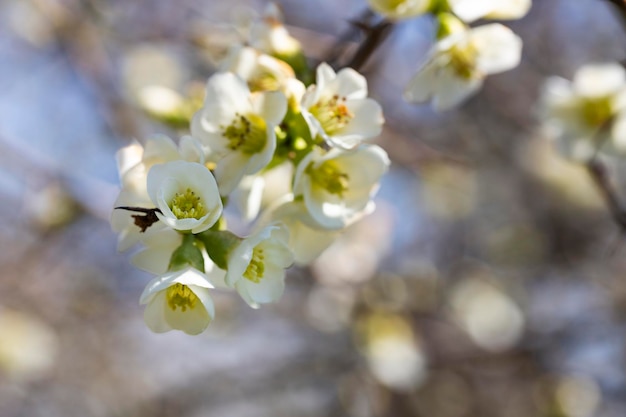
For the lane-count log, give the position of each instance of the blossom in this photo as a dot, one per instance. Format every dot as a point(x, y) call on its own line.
point(269, 35)
point(237, 127)
point(134, 162)
point(470, 10)
point(178, 300)
point(457, 64)
point(186, 195)
point(262, 72)
point(336, 108)
point(256, 267)
point(399, 9)
point(588, 112)
point(306, 239)
point(337, 185)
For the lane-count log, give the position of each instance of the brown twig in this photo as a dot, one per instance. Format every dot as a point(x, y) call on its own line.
point(375, 35)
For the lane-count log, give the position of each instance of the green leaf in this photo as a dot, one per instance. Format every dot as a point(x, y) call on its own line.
point(187, 254)
point(218, 245)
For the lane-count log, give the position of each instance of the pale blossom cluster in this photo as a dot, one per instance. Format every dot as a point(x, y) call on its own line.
point(258, 124)
point(462, 56)
point(587, 114)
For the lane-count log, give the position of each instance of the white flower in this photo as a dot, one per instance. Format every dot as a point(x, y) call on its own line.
point(470, 10)
point(256, 267)
point(134, 162)
point(457, 65)
point(186, 194)
point(337, 186)
point(178, 300)
point(306, 240)
point(400, 9)
point(248, 196)
point(262, 72)
point(237, 127)
point(588, 112)
point(269, 35)
point(336, 108)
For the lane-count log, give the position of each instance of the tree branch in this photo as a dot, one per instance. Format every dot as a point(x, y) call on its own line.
point(621, 7)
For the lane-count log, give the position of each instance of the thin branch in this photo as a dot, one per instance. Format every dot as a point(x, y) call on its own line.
point(600, 176)
point(621, 7)
point(375, 35)
point(352, 31)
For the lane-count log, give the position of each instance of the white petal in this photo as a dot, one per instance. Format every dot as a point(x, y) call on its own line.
point(470, 10)
point(230, 170)
point(271, 106)
point(367, 123)
point(192, 321)
point(191, 149)
point(499, 49)
point(452, 90)
point(404, 10)
point(128, 157)
point(160, 148)
point(204, 296)
point(619, 134)
point(598, 80)
point(421, 86)
point(248, 196)
point(154, 260)
point(154, 314)
point(510, 9)
point(269, 289)
point(350, 84)
point(324, 75)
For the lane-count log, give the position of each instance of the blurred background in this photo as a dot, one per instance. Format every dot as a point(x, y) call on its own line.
point(491, 280)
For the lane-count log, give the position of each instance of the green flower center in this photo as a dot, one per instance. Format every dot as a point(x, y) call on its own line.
point(187, 205)
point(263, 80)
point(256, 267)
point(329, 176)
point(247, 134)
point(597, 111)
point(179, 295)
point(333, 114)
point(463, 60)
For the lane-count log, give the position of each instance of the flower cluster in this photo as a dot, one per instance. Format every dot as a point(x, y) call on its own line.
point(462, 56)
point(258, 118)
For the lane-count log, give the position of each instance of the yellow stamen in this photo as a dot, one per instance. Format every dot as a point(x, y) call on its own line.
point(256, 267)
point(179, 295)
point(463, 60)
point(187, 205)
point(333, 114)
point(247, 134)
point(597, 111)
point(330, 177)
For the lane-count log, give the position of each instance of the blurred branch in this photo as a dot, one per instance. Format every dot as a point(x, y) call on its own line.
point(375, 35)
point(621, 7)
point(599, 174)
point(350, 33)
